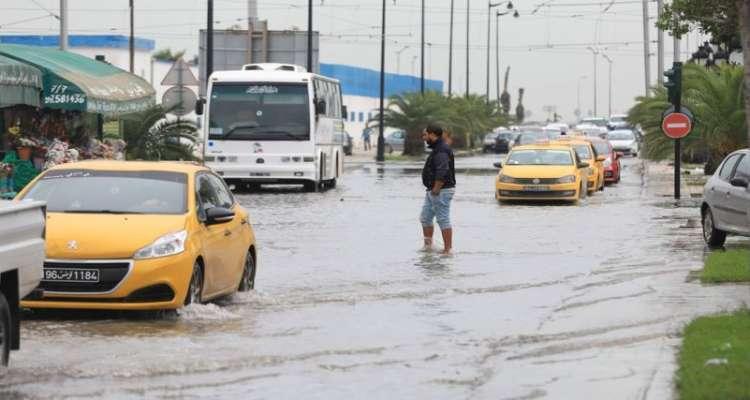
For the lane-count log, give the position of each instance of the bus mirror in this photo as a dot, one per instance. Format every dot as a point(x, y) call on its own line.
point(344, 111)
point(320, 107)
point(199, 106)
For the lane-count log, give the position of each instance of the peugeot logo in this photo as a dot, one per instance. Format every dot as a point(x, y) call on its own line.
point(536, 181)
point(73, 245)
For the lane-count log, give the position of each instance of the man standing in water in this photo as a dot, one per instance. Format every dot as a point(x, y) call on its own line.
point(439, 178)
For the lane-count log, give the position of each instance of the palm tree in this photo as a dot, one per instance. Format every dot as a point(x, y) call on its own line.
point(465, 118)
point(151, 135)
point(715, 96)
point(412, 112)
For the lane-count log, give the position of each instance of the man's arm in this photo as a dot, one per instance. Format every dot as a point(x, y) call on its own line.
point(441, 163)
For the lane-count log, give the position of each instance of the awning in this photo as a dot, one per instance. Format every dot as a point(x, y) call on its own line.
point(74, 82)
point(19, 83)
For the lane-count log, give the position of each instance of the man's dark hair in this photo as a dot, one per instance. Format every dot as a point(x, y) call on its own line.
point(434, 129)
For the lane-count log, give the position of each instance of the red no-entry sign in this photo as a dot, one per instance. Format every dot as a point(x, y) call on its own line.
point(676, 125)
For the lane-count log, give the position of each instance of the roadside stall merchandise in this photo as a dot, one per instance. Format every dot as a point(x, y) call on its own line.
point(52, 105)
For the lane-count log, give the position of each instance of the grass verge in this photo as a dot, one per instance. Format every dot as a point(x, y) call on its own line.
point(727, 266)
point(714, 360)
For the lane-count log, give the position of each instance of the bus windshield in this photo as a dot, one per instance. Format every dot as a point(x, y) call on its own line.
point(259, 111)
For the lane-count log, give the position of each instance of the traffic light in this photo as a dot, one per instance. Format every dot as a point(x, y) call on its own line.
point(674, 84)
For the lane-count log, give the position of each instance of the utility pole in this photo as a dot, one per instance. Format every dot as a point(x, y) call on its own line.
point(209, 40)
point(421, 75)
point(398, 58)
point(450, 55)
point(497, 55)
point(595, 52)
point(660, 45)
point(131, 43)
point(380, 157)
point(609, 92)
point(309, 36)
point(63, 24)
point(676, 49)
point(646, 47)
point(467, 46)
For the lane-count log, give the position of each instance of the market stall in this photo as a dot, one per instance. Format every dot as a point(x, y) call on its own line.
point(63, 121)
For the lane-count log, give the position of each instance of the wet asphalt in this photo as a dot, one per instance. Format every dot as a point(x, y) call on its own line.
point(538, 301)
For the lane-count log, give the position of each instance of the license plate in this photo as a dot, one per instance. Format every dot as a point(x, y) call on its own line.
point(71, 275)
point(536, 188)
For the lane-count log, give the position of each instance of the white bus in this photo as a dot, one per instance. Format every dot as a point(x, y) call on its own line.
point(274, 123)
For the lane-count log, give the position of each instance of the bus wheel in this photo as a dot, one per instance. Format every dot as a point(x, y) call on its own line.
point(311, 187)
point(5, 331)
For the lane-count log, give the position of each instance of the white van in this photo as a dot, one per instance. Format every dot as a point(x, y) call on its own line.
point(274, 123)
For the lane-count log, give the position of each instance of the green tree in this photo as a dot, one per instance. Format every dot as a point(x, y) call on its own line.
point(466, 118)
point(716, 98)
point(727, 21)
point(150, 135)
point(167, 55)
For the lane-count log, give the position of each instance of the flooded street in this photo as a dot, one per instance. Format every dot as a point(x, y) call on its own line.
point(538, 301)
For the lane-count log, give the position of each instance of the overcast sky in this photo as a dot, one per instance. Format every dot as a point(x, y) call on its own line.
point(546, 47)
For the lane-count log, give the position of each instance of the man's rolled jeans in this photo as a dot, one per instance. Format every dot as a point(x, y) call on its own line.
point(437, 207)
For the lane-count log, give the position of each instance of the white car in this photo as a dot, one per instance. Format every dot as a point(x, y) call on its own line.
point(726, 200)
point(624, 141)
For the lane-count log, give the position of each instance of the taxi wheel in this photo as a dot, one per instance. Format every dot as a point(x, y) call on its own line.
point(583, 191)
point(5, 331)
point(195, 289)
point(247, 281)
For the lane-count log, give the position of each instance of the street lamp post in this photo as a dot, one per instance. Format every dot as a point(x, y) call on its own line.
point(609, 91)
point(309, 36)
point(450, 55)
point(131, 42)
point(421, 77)
point(467, 46)
point(380, 157)
point(497, 48)
point(595, 52)
point(490, 6)
point(209, 40)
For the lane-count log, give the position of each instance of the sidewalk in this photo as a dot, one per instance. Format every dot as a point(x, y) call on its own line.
point(659, 177)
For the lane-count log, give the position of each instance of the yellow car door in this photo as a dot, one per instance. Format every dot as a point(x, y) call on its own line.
point(235, 240)
point(213, 237)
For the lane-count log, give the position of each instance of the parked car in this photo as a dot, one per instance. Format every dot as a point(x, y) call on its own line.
point(618, 121)
point(611, 164)
point(541, 172)
point(395, 141)
point(140, 235)
point(488, 144)
point(504, 141)
point(21, 259)
point(726, 200)
point(348, 144)
point(624, 141)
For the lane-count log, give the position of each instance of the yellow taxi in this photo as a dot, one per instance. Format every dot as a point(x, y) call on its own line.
point(541, 172)
point(587, 153)
point(140, 236)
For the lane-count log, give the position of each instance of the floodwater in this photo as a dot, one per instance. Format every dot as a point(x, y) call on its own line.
point(538, 301)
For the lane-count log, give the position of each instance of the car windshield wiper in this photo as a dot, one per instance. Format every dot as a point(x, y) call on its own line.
point(240, 125)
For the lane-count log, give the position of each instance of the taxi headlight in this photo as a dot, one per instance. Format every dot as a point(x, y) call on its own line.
point(607, 162)
point(567, 179)
point(167, 245)
point(506, 179)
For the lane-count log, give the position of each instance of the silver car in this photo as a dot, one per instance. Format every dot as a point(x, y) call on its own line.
point(726, 200)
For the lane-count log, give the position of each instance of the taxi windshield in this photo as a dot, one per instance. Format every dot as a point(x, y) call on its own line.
point(583, 151)
point(540, 157)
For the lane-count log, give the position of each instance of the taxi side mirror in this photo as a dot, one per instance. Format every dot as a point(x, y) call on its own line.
point(582, 165)
point(600, 158)
point(498, 165)
point(218, 215)
point(619, 154)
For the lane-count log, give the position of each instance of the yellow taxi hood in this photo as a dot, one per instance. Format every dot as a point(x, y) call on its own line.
point(105, 236)
point(538, 171)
